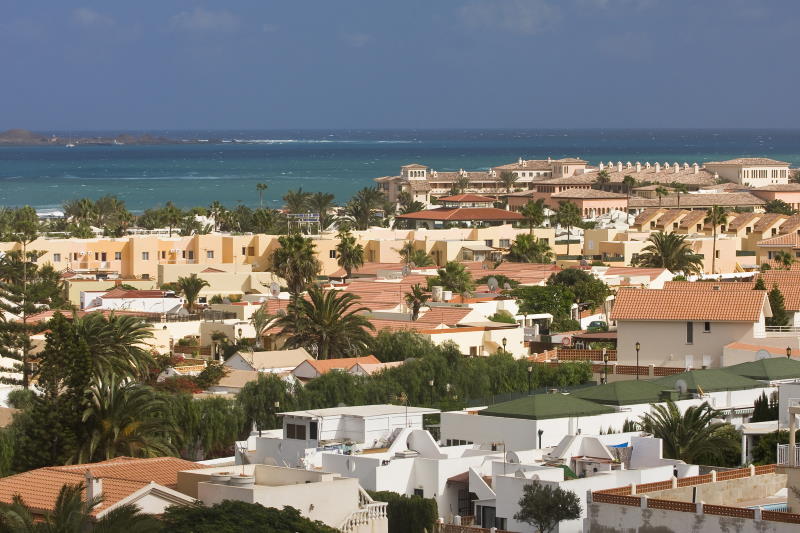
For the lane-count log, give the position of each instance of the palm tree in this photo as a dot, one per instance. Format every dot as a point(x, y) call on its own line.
point(680, 188)
point(629, 182)
point(568, 215)
point(321, 202)
point(508, 179)
point(172, 216)
point(297, 201)
point(330, 320)
point(603, 179)
point(261, 319)
point(533, 213)
point(217, 212)
point(415, 299)
point(716, 216)
point(80, 211)
point(124, 419)
point(691, 437)
point(349, 254)
point(73, 514)
point(784, 259)
point(529, 249)
point(670, 251)
point(295, 261)
point(360, 207)
point(661, 192)
point(261, 187)
point(460, 185)
point(454, 277)
point(190, 287)
point(410, 207)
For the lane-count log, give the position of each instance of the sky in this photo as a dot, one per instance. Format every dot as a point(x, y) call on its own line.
point(259, 64)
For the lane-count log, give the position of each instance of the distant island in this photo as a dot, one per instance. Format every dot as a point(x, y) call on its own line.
point(21, 137)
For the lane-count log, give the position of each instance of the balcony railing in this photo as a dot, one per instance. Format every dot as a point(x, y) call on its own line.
point(782, 331)
point(783, 454)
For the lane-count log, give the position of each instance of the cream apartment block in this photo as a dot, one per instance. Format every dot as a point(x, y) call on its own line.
point(752, 171)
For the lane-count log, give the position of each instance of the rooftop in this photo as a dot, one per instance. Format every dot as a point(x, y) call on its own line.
point(622, 392)
point(751, 161)
point(466, 198)
point(463, 214)
point(363, 411)
point(722, 306)
point(708, 380)
point(768, 369)
point(588, 194)
point(545, 406)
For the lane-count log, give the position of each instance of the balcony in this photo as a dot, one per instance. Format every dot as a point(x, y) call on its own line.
point(783, 454)
point(782, 331)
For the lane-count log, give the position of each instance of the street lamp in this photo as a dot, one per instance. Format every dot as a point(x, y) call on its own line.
point(540, 438)
point(788, 352)
point(605, 366)
point(530, 373)
point(638, 347)
point(505, 341)
point(240, 333)
point(431, 384)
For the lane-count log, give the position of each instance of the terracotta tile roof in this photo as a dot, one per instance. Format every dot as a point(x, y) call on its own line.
point(119, 292)
point(529, 164)
point(323, 366)
point(413, 165)
point(466, 198)
point(782, 241)
point(211, 270)
point(121, 478)
point(588, 193)
point(44, 316)
point(692, 218)
point(742, 219)
point(369, 269)
point(701, 200)
point(786, 187)
point(792, 224)
point(463, 213)
point(647, 215)
point(751, 161)
point(671, 216)
point(709, 285)
point(768, 220)
point(722, 306)
point(371, 368)
point(666, 175)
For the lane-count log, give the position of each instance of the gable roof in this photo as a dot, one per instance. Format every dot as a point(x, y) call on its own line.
point(622, 392)
point(769, 369)
point(588, 194)
point(787, 240)
point(709, 380)
point(463, 213)
point(544, 406)
point(713, 306)
point(275, 358)
point(119, 292)
point(466, 198)
point(323, 366)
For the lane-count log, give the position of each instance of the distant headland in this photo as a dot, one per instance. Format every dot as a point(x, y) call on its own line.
point(21, 137)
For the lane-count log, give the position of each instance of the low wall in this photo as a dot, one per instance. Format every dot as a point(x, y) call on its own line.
point(726, 492)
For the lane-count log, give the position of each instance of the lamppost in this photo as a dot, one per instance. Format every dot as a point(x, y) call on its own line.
point(788, 352)
point(431, 384)
point(505, 341)
point(605, 367)
point(638, 347)
point(540, 438)
point(530, 374)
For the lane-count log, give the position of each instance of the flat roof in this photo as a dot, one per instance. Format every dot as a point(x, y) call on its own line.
point(364, 411)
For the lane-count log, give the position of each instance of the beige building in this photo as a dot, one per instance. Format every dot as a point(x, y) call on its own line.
point(752, 171)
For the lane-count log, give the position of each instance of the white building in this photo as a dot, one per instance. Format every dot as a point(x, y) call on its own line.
point(751, 171)
point(118, 299)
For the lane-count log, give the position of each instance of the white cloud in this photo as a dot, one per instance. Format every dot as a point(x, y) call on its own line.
point(356, 40)
point(518, 16)
point(201, 19)
point(86, 17)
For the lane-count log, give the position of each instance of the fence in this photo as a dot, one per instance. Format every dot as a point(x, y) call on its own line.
point(643, 488)
point(452, 528)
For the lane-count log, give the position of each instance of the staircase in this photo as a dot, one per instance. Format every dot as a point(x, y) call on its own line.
point(367, 513)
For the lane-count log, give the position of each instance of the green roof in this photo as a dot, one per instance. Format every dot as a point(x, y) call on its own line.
point(769, 369)
point(622, 392)
point(544, 406)
point(710, 380)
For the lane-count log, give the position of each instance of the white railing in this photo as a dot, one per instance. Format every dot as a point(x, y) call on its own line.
point(783, 455)
point(782, 331)
point(363, 516)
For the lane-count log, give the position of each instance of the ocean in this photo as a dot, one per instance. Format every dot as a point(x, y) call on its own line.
point(339, 162)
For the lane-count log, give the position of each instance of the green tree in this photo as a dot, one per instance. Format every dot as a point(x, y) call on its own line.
point(261, 319)
point(554, 299)
point(586, 287)
point(331, 321)
point(72, 513)
point(295, 261)
point(544, 507)
point(692, 437)
point(460, 185)
point(716, 216)
point(408, 514)
point(349, 254)
point(760, 285)
point(568, 215)
point(414, 257)
point(217, 212)
point(415, 299)
point(679, 188)
point(508, 180)
point(258, 400)
point(172, 216)
point(533, 211)
point(670, 251)
point(297, 201)
point(765, 451)
point(629, 182)
point(764, 409)
point(400, 345)
point(361, 208)
point(190, 286)
point(529, 249)
point(660, 193)
point(321, 203)
point(784, 259)
point(261, 188)
point(79, 210)
point(780, 207)
point(776, 301)
point(603, 179)
point(205, 428)
point(233, 516)
point(503, 316)
point(453, 277)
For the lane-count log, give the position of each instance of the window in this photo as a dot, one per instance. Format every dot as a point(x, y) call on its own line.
point(716, 254)
point(56, 258)
point(210, 254)
point(489, 242)
point(251, 250)
point(145, 276)
point(183, 254)
point(313, 430)
point(419, 492)
point(190, 253)
point(163, 254)
point(97, 256)
point(244, 250)
point(689, 333)
point(296, 431)
point(145, 256)
point(505, 243)
point(706, 327)
point(103, 256)
point(117, 256)
point(332, 254)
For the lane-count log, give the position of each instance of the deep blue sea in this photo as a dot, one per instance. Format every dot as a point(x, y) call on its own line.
point(340, 162)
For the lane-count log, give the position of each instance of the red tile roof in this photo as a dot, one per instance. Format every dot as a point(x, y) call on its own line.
point(323, 366)
point(722, 306)
point(119, 292)
point(466, 198)
point(463, 213)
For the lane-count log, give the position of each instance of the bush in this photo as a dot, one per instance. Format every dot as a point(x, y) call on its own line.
point(503, 316)
point(408, 514)
point(236, 516)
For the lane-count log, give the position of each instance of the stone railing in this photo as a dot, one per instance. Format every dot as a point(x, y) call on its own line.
point(364, 516)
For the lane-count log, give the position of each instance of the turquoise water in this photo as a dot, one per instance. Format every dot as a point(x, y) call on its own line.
point(339, 162)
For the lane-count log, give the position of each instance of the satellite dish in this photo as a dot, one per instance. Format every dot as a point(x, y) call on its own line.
point(762, 354)
point(492, 283)
point(681, 386)
point(519, 473)
point(275, 289)
point(507, 286)
point(406, 271)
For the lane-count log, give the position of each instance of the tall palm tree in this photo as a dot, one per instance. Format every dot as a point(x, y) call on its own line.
point(603, 179)
point(413, 256)
point(784, 259)
point(716, 216)
point(124, 419)
point(691, 436)
point(360, 207)
point(73, 514)
point(661, 192)
point(80, 211)
point(508, 180)
point(629, 182)
point(568, 215)
point(321, 203)
point(529, 249)
point(172, 216)
point(190, 286)
point(533, 212)
point(460, 185)
point(261, 319)
point(670, 251)
point(295, 261)
point(332, 321)
point(350, 255)
point(261, 187)
point(680, 188)
point(297, 201)
point(454, 277)
point(415, 299)
point(217, 212)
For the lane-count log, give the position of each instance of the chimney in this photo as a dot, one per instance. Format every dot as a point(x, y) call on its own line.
point(696, 168)
point(601, 166)
point(647, 164)
point(610, 164)
point(619, 166)
point(658, 167)
point(519, 161)
point(638, 167)
point(628, 165)
point(685, 165)
point(716, 176)
point(676, 167)
point(94, 486)
point(548, 159)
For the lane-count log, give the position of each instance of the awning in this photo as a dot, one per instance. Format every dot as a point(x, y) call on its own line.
point(478, 248)
point(462, 478)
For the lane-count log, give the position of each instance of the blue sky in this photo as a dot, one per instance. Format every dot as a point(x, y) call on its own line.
point(412, 64)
